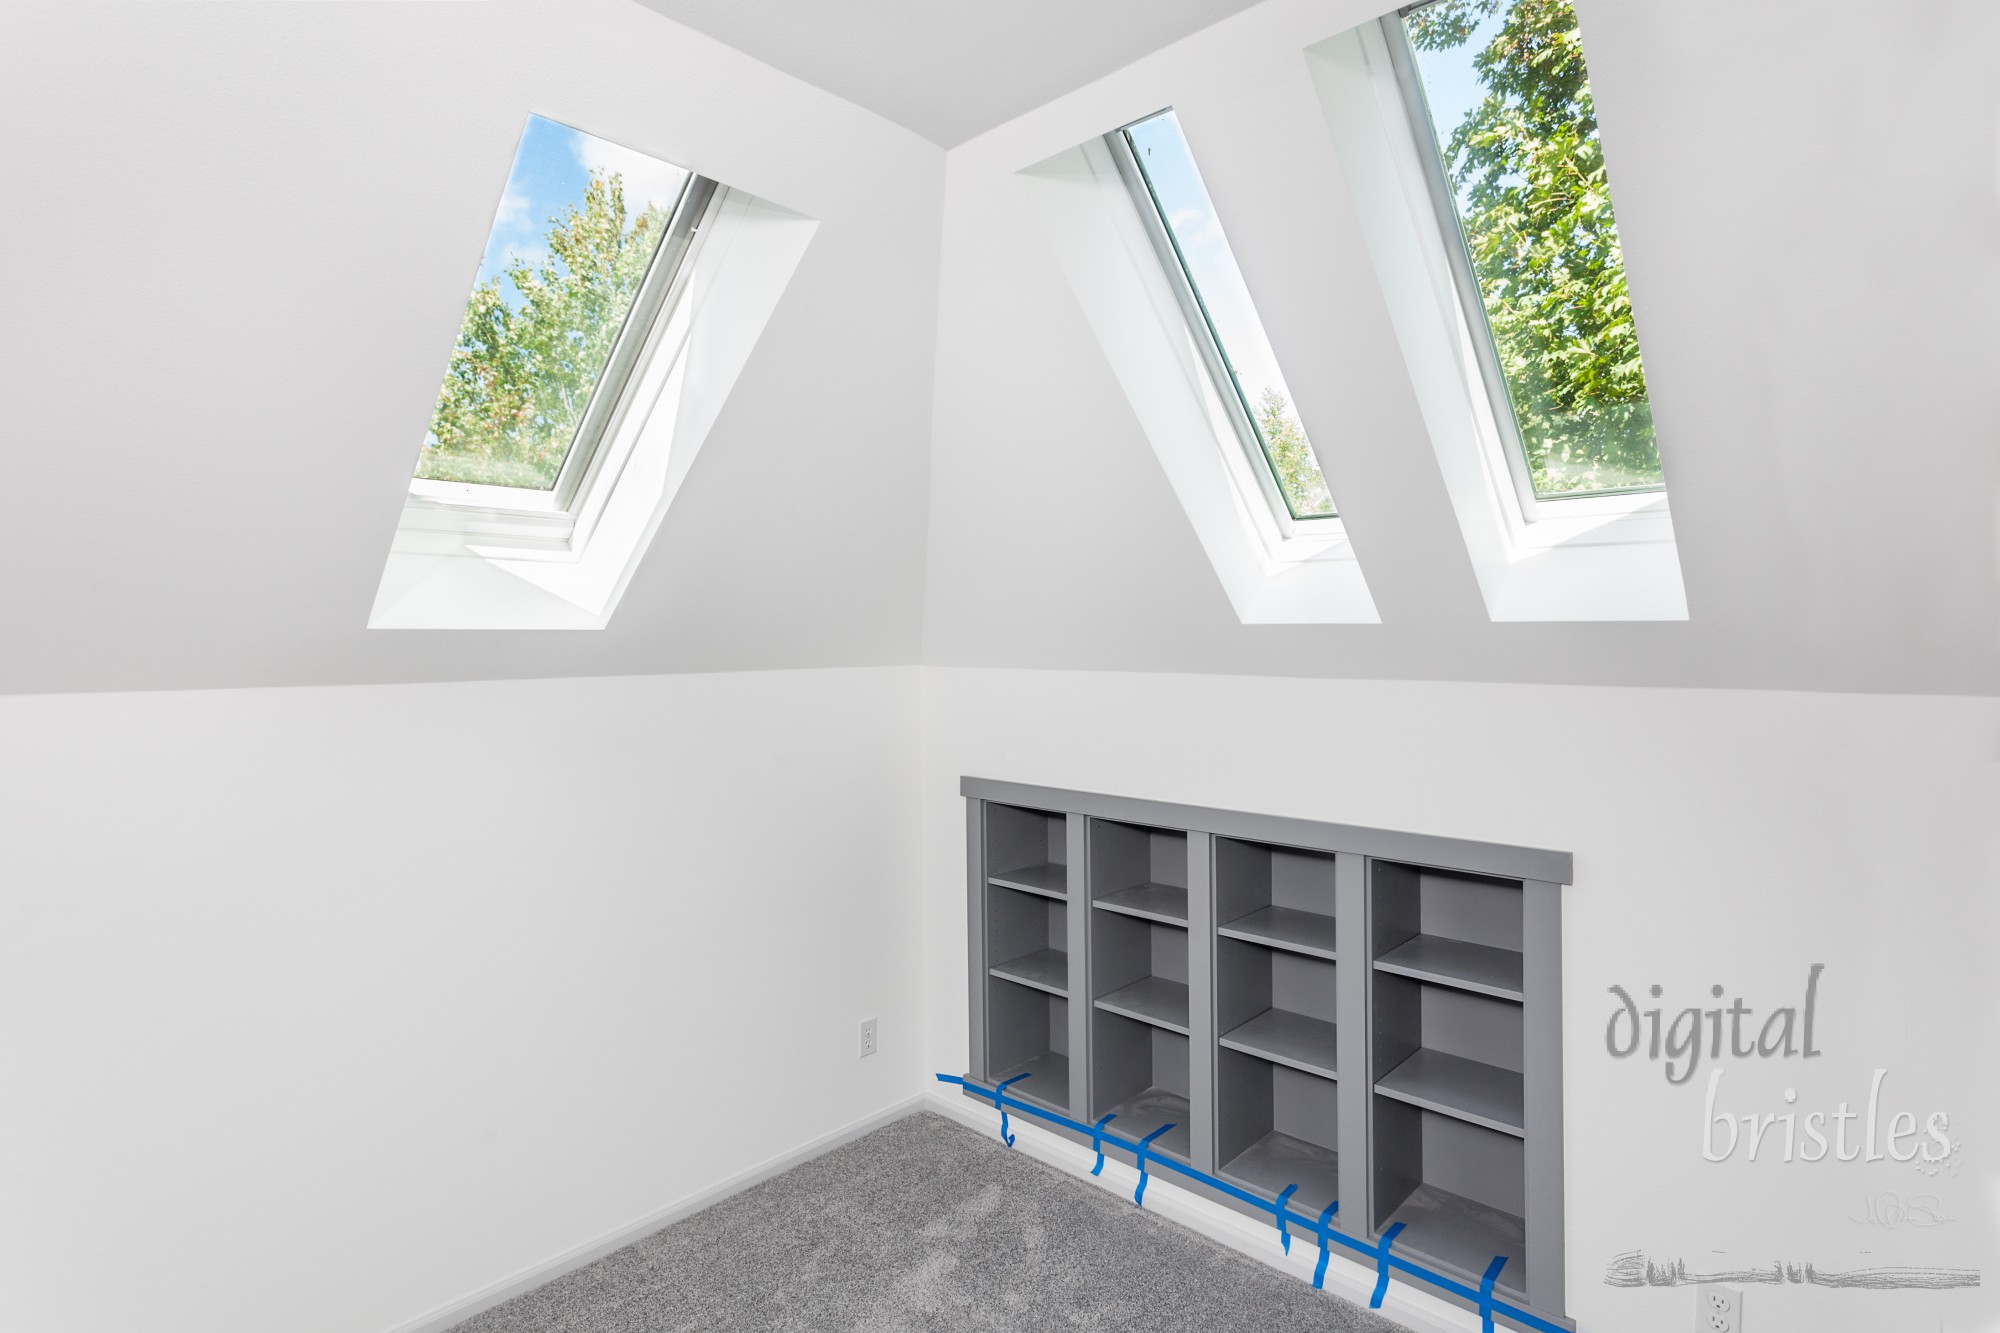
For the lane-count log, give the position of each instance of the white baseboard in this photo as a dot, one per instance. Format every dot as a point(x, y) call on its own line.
point(1406, 1305)
point(528, 1279)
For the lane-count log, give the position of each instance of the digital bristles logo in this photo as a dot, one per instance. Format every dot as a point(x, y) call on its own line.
point(1870, 1129)
point(1785, 1033)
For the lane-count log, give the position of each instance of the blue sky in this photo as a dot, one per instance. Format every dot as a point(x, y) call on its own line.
point(1451, 83)
point(552, 167)
point(1452, 86)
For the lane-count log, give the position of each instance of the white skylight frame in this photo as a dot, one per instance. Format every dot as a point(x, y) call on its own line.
point(1608, 556)
point(1514, 454)
point(1250, 465)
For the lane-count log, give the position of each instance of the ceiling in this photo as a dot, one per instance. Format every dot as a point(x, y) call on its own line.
point(948, 69)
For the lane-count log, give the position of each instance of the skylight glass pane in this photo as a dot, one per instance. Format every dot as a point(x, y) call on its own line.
point(1210, 265)
point(1512, 117)
point(578, 224)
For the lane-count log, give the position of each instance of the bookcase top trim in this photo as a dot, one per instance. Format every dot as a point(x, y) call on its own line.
point(1421, 849)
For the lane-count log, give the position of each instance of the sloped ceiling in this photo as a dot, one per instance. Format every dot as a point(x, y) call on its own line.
point(948, 69)
point(241, 236)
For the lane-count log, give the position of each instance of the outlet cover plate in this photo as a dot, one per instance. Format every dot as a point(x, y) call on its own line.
point(1718, 1309)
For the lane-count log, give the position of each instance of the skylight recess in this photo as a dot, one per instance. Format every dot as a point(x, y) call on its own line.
point(580, 225)
point(1501, 92)
point(1245, 367)
point(618, 299)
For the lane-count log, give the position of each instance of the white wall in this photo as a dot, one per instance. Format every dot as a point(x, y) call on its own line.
point(321, 1009)
point(1720, 837)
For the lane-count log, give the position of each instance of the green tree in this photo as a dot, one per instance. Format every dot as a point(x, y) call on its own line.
point(523, 372)
point(1291, 456)
point(1536, 206)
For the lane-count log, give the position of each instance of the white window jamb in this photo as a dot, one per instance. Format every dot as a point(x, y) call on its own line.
point(1416, 104)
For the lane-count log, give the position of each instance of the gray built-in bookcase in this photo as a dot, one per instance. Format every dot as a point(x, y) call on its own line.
point(1370, 1015)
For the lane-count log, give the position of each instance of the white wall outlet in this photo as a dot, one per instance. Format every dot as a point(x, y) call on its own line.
point(1717, 1309)
point(867, 1037)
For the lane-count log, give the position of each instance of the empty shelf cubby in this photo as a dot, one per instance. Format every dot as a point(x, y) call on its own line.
point(1027, 1032)
point(1139, 1075)
point(1277, 1006)
point(1027, 850)
point(1454, 1052)
point(1456, 930)
point(1027, 939)
point(1139, 968)
point(1277, 1126)
point(1459, 1189)
point(1281, 897)
point(1449, 1116)
point(1138, 871)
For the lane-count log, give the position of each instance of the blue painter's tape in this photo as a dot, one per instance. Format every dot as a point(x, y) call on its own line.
point(1284, 1232)
point(1000, 1104)
point(1385, 1261)
point(1319, 1269)
point(1382, 1265)
point(1486, 1292)
point(1139, 1153)
point(1097, 1141)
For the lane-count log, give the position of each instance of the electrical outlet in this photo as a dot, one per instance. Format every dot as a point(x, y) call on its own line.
point(867, 1037)
point(1717, 1309)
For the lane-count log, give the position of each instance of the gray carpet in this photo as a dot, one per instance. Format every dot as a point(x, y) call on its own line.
point(924, 1225)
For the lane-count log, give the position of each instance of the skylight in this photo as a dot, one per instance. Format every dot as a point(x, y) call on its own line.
point(619, 298)
point(1137, 239)
point(578, 228)
point(1243, 363)
point(1502, 88)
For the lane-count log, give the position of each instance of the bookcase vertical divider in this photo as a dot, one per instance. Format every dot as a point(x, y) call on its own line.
point(1201, 999)
point(1357, 1079)
point(1541, 949)
point(1076, 834)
